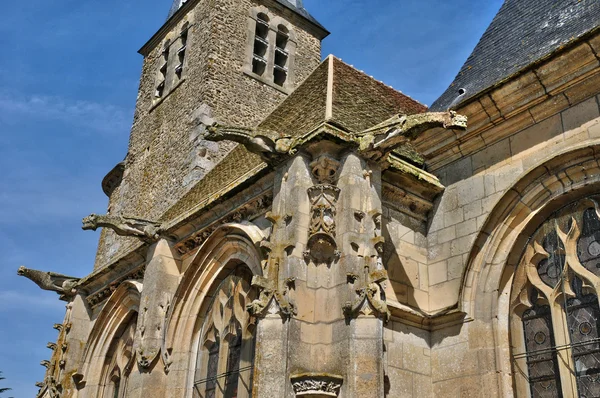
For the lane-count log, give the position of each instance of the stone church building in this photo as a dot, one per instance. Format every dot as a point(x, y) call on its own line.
point(284, 226)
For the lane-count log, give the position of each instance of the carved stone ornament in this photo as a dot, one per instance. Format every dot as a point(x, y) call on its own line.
point(98, 297)
point(322, 247)
point(269, 145)
point(248, 211)
point(316, 384)
point(269, 286)
point(325, 169)
point(368, 285)
point(53, 387)
point(61, 284)
point(148, 231)
point(381, 139)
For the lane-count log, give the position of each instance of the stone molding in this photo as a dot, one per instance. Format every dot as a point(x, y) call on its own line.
point(569, 76)
point(124, 302)
point(248, 211)
point(98, 297)
point(316, 384)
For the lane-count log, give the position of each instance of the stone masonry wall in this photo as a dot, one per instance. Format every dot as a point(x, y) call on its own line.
point(462, 360)
point(167, 154)
point(476, 183)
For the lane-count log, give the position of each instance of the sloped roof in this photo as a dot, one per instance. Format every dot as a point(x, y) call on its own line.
point(336, 93)
point(523, 32)
point(294, 5)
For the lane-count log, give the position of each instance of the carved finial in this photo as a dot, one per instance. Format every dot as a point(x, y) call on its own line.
point(45, 363)
point(51, 346)
point(149, 231)
point(61, 284)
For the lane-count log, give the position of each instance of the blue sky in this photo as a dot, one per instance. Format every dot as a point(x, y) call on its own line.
point(68, 82)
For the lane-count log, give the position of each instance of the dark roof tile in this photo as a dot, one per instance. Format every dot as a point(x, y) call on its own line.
point(523, 32)
point(356, 100)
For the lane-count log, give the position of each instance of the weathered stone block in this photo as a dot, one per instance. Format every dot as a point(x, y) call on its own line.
point(580, 114)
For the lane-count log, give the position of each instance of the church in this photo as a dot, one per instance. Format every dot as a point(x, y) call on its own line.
point(286, 226)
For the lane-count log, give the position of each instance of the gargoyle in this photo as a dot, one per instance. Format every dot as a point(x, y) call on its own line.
point(386, 136)
point(61, 284)
point(148, 231)
point(265, 143)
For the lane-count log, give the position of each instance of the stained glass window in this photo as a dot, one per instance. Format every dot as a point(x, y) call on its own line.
point(555, 291)
point(224, 365)
point(541, 359)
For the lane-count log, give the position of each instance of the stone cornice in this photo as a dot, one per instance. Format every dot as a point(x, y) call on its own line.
point(545, 88)
point(427, 321)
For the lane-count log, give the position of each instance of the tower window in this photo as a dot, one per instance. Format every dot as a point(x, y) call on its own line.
point(181, 51)
point(160, 87)
point(261, 44)
point(270, 50)
point(280, 69)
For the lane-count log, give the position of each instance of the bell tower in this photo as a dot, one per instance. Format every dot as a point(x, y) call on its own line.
point(225, 61)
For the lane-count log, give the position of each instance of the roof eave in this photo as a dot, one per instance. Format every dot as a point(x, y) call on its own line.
point(562, 49)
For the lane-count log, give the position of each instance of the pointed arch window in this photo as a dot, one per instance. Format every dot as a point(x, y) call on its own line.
point(555, 318)
point(224, 365)
point(119, 361)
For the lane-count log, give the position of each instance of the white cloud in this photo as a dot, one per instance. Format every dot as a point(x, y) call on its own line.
point(87, 115)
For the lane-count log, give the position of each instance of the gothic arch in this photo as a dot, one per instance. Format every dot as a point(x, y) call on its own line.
point(229, 246)
point(487, 281)
point(116, 314)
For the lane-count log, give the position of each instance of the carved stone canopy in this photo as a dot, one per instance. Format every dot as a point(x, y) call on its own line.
point(316, 384)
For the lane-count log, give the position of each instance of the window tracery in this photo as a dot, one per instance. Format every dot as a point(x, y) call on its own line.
point(226, 346)
point(554, 301)
point(119, 361)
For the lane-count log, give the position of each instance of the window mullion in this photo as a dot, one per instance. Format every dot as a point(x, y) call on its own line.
point(564, 356)
point(272, 37)
point(222, 369)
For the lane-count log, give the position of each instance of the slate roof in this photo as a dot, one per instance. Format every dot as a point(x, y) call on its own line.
point(293, 5)
point(523, 32)
point(355, 102)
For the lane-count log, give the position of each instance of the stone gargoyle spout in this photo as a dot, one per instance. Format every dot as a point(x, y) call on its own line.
point(61, 284)
point(148, 231)
point(267, 144)
point(388, 135)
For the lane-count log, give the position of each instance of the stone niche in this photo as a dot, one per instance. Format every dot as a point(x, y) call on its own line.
point(316, 385)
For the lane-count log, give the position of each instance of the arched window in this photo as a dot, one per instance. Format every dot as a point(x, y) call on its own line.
point(554, 302)
point(261, 44)
point(226, 345)
point(280, 65)
point(119, 361)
